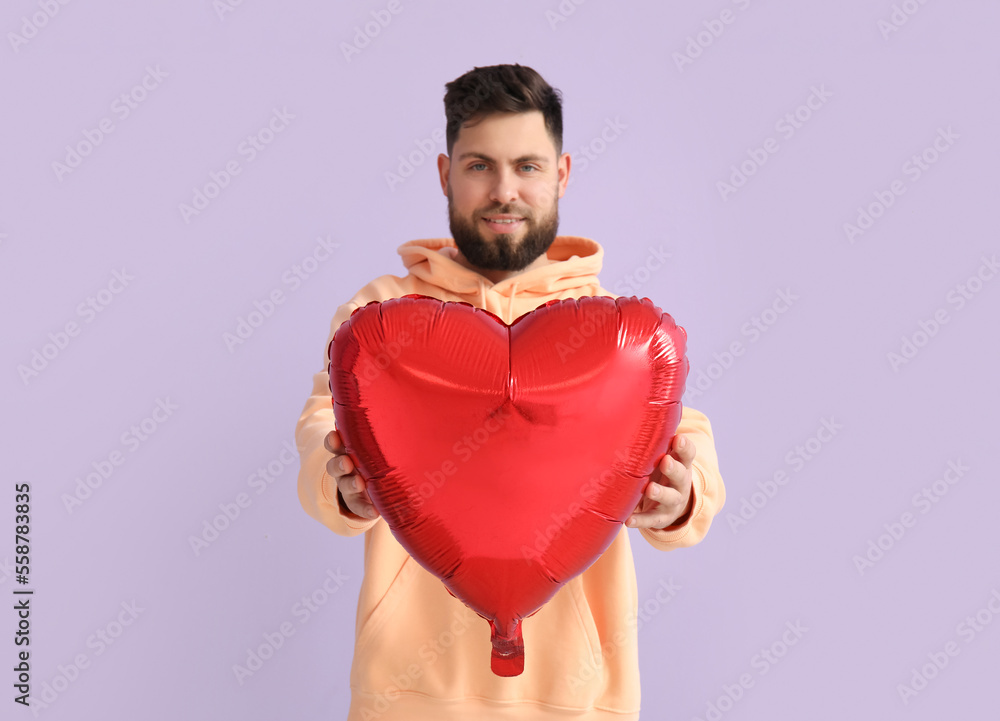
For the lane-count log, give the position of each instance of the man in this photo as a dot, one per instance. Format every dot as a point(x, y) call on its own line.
point(419, 652)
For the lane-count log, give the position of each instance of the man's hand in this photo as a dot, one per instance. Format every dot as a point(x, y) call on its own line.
point(667, 499)
point(351, 486)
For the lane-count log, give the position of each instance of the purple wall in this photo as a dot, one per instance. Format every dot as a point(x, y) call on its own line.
point(832, 110)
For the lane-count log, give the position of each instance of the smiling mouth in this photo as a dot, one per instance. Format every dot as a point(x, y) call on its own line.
point(504, 226)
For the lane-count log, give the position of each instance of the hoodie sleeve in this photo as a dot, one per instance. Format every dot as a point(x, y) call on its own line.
point(317, 489)
point(707, 489)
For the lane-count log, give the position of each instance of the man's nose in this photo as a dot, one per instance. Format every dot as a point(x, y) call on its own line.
point(505, 189)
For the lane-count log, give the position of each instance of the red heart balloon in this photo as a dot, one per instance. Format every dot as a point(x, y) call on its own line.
point(506, 458)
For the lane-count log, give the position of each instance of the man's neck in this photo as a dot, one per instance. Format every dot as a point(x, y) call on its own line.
point(497, 275)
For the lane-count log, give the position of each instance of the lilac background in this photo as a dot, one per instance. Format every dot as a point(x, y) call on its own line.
point(653, 186)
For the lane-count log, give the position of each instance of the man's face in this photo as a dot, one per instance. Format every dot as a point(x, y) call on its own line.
point(504, 165)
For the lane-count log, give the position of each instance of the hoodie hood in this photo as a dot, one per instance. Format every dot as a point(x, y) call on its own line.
point(573, 262)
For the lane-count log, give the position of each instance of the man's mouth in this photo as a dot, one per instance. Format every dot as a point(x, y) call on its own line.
point(503, 223)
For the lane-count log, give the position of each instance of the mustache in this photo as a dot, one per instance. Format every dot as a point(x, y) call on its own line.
point(502, 211)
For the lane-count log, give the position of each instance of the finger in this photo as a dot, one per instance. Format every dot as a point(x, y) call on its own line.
point(360, 504)
point(332, 442)
point(654, 491)
point(683, 450)
point(656, 517)
point(673, 473)
point(660, 506)
point(355, 493)
point(338, 466)
point(357, 486)
point(677, 482)
point(359, 507)
point(351, 484)
point(663, 495)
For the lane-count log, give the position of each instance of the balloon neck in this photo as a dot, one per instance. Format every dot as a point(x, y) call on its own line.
point(507, 658)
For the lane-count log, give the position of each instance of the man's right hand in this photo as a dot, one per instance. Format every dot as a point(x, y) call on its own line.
point(351, 485)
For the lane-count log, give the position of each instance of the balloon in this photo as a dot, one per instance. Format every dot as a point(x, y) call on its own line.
point(505, 458)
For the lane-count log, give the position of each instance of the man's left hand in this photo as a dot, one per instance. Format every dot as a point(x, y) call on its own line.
point(667, 499)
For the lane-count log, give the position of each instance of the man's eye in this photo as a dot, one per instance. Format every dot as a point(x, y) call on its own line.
point(483, 165)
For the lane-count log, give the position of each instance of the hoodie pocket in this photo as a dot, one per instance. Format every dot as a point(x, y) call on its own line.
point(591, 637)
point(385, 605)
point(418, 640)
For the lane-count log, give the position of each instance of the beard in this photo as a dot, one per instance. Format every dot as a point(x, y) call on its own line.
point(502, 251)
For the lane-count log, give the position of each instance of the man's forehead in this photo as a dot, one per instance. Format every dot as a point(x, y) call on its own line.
point(513, 137)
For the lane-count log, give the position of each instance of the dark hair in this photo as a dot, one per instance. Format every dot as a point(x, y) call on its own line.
point(501, 89)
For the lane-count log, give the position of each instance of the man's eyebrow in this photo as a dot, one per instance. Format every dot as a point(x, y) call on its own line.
point(517, 161)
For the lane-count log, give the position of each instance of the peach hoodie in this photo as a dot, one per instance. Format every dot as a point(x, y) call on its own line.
point(420, 653)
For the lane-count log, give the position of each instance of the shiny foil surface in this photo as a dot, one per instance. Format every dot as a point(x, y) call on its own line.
point(505, 459)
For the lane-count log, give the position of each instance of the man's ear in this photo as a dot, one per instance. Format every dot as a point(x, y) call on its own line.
point(444, 169)
point(565, 161)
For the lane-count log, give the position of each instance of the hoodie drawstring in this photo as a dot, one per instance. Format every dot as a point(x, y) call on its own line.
point(510, 299)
